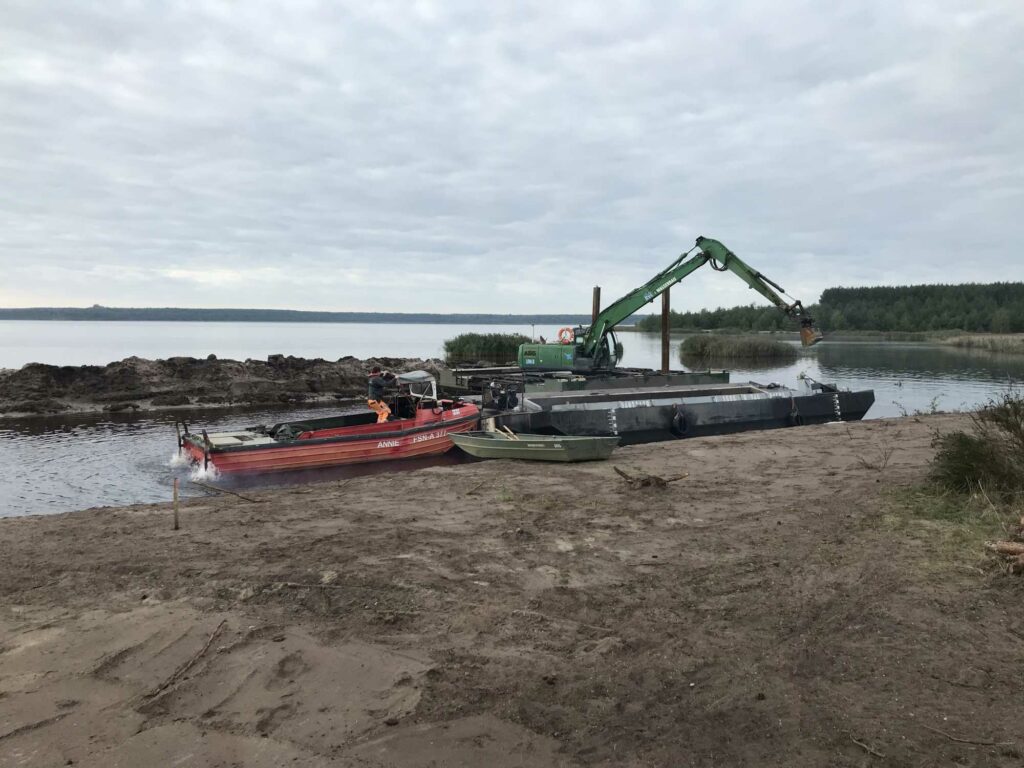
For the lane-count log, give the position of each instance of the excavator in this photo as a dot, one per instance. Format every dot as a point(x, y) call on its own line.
point(594, 348)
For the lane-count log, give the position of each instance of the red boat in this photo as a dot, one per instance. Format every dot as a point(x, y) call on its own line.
point(420, 427)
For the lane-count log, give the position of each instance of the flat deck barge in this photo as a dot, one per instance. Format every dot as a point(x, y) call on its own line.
point(650, 414)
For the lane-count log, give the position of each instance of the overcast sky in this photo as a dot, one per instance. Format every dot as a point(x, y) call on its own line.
point(501, 156)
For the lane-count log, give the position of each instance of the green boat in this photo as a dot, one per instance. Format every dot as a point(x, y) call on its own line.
point(500, 445)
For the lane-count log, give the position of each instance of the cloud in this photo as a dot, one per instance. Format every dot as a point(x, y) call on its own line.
point(446, 157)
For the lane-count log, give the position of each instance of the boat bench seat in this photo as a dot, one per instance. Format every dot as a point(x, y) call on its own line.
point(228, 439)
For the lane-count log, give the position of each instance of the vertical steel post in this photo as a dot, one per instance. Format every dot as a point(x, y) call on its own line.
point(597, 305)
point(664, 332)
point(176, 526)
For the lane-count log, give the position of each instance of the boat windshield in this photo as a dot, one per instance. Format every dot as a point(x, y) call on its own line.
point(419, 385)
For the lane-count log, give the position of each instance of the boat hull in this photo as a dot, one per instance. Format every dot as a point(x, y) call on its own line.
point(426, 435)
point(651, 415)
point(528, 447)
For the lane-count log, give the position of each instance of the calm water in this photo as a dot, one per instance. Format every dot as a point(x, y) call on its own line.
point(67, 463)
point(98, 343)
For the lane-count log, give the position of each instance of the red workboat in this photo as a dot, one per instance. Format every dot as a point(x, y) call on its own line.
point(419, 427)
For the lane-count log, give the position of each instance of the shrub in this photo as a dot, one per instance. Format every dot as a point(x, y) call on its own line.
point(494, 348)
point(708, 347)
point(990, 456)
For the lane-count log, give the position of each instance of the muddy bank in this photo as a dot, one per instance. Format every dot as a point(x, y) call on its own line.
point(138, 384)
point(762, 611)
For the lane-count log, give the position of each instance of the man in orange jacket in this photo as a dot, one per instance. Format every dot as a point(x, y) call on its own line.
point(378, 383)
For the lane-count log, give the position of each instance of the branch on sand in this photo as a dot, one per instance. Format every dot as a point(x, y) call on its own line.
point(958, 740)
point(643, 480)
point(866, 748)
point(176, 675)
point(222, 490)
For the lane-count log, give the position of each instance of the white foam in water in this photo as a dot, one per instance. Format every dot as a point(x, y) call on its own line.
point(199, 473)
point(178, 459)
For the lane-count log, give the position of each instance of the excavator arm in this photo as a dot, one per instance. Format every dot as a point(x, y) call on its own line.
point(593, 347)
point(721, 259)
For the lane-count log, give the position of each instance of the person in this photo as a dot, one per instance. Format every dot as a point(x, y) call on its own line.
point(378, 383)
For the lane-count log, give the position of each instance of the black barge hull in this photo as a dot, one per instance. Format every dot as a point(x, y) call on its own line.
point(653, 415)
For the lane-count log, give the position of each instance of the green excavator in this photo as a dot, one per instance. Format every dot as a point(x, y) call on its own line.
point(584, 349)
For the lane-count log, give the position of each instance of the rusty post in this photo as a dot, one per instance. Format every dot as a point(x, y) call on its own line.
point(664, 332)
point(597, 305)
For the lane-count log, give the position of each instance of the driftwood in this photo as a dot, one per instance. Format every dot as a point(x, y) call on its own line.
point(1010, 549)
point(643, 480)
point(1014, 548)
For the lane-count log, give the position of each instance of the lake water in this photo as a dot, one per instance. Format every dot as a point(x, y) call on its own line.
point(72, 462)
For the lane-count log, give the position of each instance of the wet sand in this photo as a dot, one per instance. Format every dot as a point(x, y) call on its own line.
point(758, 612)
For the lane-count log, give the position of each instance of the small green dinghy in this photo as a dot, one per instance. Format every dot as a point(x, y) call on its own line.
point(501, 445)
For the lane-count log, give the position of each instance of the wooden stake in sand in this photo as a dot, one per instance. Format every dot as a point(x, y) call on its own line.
point(176, 504)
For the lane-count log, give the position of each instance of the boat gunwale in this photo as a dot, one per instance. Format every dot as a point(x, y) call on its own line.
point(197, 439)
point(493, 438)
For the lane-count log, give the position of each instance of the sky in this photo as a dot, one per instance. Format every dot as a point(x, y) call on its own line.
point(501, 157)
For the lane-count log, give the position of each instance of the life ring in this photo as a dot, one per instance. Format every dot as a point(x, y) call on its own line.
point(566, 335)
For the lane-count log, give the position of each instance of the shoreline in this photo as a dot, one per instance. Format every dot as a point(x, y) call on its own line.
point(775, 607)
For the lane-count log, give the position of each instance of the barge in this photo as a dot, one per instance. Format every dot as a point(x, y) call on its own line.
point(473, 381)
point(651, 414)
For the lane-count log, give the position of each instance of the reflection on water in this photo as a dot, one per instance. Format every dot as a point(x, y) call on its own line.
point(66, 463)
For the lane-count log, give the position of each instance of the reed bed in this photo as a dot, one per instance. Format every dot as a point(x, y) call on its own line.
point(1009, 344)
point(743, 348)
point(492, 348)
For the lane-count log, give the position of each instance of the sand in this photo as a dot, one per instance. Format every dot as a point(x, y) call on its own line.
point(758, 612)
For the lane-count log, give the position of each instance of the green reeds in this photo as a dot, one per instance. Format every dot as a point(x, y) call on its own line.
point(492, 348)
point(705, 347)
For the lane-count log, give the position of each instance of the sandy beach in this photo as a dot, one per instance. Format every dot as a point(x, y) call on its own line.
point(767, 609)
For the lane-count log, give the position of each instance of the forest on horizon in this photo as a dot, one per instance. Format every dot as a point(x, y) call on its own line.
point(971, 307)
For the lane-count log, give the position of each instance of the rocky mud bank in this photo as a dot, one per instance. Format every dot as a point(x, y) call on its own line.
point(139, 384)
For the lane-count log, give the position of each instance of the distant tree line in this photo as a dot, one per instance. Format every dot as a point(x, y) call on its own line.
point(973, 307)
point(97, 312)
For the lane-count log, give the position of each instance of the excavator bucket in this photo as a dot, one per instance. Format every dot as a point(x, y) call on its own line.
point(809, 335)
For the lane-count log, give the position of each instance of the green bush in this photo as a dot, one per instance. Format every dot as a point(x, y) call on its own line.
point(493, 348)
point(706, 347)
point(990, 456)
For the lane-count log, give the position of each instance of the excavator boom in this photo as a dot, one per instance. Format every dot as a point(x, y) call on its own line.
point(721, 259)
point(594, 348)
